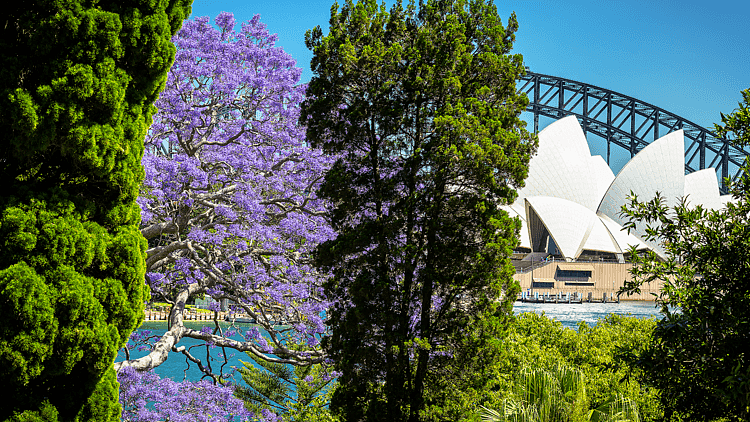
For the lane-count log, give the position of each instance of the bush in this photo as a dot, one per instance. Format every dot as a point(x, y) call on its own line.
point(535, 341)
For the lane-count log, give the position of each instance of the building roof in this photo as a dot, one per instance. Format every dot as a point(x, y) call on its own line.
point(701, 187)
point(574, 198)
point(562, 166)
point(573, 227)
point(658, 168)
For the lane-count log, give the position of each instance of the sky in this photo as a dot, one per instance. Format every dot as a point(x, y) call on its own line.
point(691, 58)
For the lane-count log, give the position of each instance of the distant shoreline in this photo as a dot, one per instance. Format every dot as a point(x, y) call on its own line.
point(189, 315)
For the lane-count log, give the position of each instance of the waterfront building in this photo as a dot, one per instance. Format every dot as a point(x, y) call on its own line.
point(572, 237)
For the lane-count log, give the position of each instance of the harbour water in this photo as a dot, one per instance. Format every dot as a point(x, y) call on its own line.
point(568, 314)
point(571, 314)
point(178, 367)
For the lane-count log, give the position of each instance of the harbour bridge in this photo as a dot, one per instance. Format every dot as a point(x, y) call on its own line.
point(628, 123)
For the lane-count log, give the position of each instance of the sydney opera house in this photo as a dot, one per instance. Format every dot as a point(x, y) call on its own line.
point(572, 237)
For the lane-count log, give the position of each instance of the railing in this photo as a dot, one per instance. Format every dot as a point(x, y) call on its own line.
point(535, 265)
point(539, 264)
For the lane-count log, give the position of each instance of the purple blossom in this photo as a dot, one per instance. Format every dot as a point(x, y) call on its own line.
point(146, 397)
point(270, 416)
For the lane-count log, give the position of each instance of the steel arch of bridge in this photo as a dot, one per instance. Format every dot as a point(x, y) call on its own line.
point(627, 122)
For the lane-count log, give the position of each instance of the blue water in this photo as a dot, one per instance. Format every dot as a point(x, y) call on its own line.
point(178, 367)
point(568, 314)
point(571, 314)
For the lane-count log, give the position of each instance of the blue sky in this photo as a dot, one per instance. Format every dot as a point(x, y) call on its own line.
point(691, 58)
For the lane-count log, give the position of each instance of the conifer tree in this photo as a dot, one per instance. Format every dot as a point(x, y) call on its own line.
point(76, 90)
point(293, 392)
point(421, 104)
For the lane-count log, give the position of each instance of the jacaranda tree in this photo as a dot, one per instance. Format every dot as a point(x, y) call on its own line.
point(77, 83)
point(229, 203)
point(421, 104)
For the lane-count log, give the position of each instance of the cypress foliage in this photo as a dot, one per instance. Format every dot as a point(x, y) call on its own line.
point(76, 90)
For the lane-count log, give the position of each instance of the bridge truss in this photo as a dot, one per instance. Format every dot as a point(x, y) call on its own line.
point(628, 123)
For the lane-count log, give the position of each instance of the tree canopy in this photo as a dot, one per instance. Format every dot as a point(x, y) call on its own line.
point(228, 204)
point(76, 90)
point(421, 105)
point(699, 357)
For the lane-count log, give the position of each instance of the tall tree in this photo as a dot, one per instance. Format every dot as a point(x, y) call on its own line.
point(229, 203)
point(700, 355)
point(76, 90)
point(421, 105)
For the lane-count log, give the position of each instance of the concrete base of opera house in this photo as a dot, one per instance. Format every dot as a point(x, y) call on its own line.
point(598, 278)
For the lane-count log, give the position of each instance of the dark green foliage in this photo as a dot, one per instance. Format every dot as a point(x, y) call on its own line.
point(46, 413)
point(422, 106)
point(76, 90)
point(700, 356)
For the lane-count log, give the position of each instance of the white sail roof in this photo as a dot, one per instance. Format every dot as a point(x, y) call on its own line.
point(659, 167)
point(524, 227)
point(622, 238)
point(576, 199)
point(603, 176)
point(562, 167)
point(701, 187)
point(725, 199)
point(599, 239)
point(572, 226)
